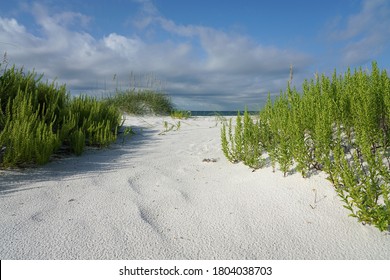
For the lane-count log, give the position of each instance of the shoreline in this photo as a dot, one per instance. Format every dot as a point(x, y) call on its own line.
point(174, 195)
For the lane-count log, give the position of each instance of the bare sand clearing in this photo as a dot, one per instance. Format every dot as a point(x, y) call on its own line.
point(175, 196)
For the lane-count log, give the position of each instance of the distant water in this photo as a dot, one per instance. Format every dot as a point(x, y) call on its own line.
point(217, 113)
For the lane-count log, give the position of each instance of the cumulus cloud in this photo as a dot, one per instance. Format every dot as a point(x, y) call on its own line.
point(234, 53)
point(203, 68)
point(365, 34)
point(230, 67)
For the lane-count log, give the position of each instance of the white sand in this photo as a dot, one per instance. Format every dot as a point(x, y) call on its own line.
point(155, 198)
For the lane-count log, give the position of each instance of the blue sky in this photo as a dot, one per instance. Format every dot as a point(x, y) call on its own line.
point(206, 54)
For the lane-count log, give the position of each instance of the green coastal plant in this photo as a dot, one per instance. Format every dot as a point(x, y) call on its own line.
point(170, 127)
point(97, 121)
point(27, 126)
point(77, 141)
point(140, 102)
point(244, 145)
point(180, 114)
point(37, 118)
point(127, 133)
point(337, 125)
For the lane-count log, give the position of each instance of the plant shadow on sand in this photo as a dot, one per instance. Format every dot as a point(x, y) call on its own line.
point(67, 167)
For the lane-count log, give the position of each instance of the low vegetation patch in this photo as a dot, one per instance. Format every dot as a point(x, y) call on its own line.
point(338, 125)
point(141, 102)
point(180, 114)
point(38, 118)
point(170, 127)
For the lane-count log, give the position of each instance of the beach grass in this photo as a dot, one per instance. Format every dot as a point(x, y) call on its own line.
point(38, 118)
point(141, 102)
point(337, 125)
point(180, 114)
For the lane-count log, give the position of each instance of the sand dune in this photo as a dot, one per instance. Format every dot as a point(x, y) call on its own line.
point(174, 196)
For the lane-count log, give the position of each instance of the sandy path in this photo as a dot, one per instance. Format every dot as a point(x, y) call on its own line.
point(155, 198)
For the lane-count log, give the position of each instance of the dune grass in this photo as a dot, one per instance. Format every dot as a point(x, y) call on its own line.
point(38, 118)
point(141, 102)
point(339, 126)
point(180, 114)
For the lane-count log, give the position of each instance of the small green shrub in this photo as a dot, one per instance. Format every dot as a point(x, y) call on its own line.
point(77, 141)
point(244, 145)
point(97, 120)
point(46, 142)
point(26, 135)
point(339, 126)
point(141, 102)
point(36, 118)
point(170, 127)
point(226, 144)
point(127, 133)
point(179, 114)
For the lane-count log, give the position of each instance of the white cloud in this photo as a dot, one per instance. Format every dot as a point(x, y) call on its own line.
point(122, 45)
point(11, 26)
point(14, 34)
point(364, 34)
point(203, 68)
point(234, 53)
